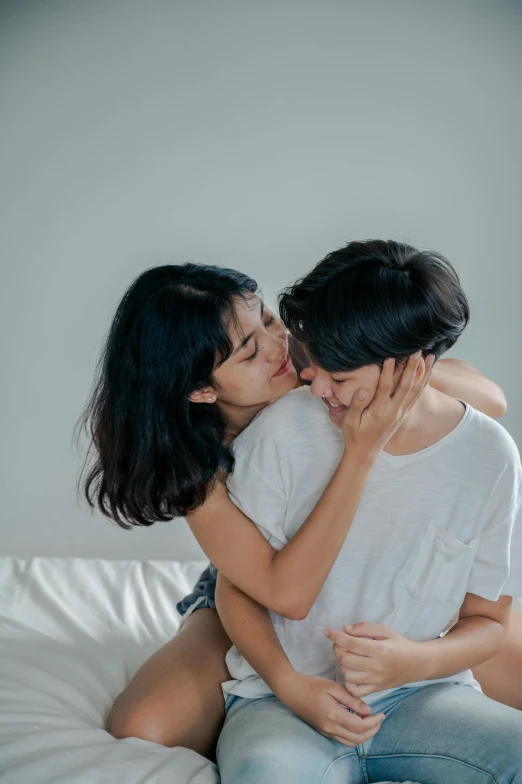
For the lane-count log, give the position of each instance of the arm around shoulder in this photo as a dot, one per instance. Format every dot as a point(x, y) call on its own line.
point(457, 378)
point(284, 576)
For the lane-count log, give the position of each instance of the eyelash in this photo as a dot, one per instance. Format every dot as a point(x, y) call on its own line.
point(254, 355)
point(339, 380)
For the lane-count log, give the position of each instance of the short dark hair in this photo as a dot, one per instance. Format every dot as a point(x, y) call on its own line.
point(375, 299)
point(156, 454)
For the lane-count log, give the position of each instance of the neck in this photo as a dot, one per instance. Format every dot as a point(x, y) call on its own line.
point(421, 426)
point(238, 417)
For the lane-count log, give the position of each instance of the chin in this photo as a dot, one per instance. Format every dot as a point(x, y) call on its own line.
point(288, 380)
point(337, 419)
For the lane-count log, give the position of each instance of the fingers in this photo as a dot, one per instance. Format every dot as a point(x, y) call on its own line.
point(357, 406)
point(360, 689)
point(407, 379)
point(357, 739)
point(385, 384)
point(350, 722)
point(353, 660)
point(354, 644)
point(357, 677)
point(422, 383)
point(344, 698)
point(419, 388)
point(375, 630)
point(353, 729)
point(339, 638)
point(429, 362)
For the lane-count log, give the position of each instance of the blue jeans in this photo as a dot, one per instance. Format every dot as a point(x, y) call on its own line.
point(439, 734)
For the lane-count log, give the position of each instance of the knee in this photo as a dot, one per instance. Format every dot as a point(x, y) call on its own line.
point(139, 720)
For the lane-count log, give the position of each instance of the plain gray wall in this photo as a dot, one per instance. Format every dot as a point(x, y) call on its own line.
point(258, 135)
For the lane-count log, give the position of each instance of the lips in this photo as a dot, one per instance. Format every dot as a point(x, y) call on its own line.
point(285, 366)
point(334, 409)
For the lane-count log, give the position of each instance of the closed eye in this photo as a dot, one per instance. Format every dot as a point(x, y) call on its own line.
point(268, 323)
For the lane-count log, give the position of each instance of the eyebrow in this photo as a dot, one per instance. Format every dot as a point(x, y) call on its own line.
point(247, 338)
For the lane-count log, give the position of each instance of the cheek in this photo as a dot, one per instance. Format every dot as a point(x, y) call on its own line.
point(256, 380)
point(251, 384)
point(347, 395)
point(348, 398)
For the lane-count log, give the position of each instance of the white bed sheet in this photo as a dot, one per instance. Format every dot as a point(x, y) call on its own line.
point(72, 633)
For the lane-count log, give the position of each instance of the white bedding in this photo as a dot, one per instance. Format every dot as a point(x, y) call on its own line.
point(72, 633)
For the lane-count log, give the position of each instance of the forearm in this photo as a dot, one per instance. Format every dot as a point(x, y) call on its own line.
point(319, 702)
point(287, 581)
point(458, 379)
point(472, 641)
point(249, 626)
point(301, 567)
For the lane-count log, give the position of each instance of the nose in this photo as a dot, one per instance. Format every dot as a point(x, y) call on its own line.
point(321, 385)
point(275, 348)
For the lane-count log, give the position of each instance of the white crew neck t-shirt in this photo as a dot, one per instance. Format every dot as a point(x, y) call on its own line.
point(431, 527)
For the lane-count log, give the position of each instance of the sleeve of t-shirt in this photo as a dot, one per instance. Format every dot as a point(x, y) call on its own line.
point(255, 486)
point(497, 569)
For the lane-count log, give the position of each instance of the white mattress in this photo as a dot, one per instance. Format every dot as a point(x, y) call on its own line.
point(72, 633)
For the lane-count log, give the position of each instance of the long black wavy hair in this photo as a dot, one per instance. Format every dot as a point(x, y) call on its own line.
point(155, 454)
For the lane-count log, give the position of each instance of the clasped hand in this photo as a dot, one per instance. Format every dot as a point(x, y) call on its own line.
point(373, 657)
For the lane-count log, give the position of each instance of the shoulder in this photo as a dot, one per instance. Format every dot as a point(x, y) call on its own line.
point(297, 412)
point(489, 440)
point(490, 458)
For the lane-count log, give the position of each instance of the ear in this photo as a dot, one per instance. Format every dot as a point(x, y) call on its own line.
point(206, 395)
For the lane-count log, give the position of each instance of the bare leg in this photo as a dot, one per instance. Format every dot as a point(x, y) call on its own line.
point(501, 677)
point(175, 698)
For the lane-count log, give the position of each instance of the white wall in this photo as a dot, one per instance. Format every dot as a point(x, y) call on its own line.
point(259, 135)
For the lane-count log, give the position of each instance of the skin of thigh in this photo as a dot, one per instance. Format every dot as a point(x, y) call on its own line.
point(175, 698)
point(263, 742)
point(448, 733)
point(501, 676)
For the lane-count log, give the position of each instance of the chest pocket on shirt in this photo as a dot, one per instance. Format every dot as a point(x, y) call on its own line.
point(442, 567)
point(436, 585)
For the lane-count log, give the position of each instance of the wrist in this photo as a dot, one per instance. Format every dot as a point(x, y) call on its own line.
point(423, 661)
point(284, 682)
point(361, 460)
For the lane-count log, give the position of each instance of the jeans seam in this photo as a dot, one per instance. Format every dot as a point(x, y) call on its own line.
point(436, 756)
point(361, 753)
point(334, 762)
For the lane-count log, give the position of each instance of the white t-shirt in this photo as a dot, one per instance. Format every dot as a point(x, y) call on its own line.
point(431, 526)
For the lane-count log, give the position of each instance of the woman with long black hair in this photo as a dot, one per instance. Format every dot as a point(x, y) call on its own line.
point(192, 356)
